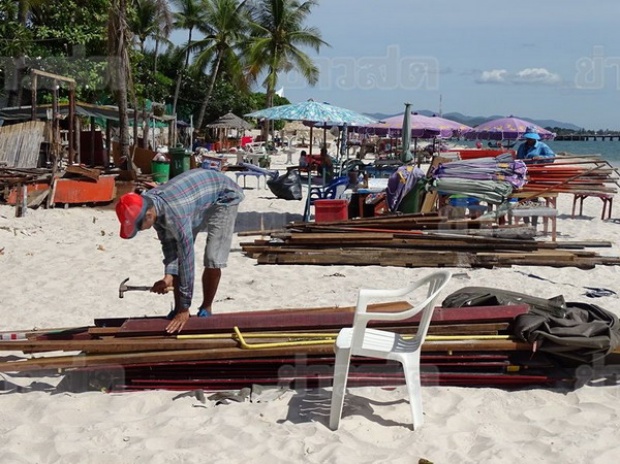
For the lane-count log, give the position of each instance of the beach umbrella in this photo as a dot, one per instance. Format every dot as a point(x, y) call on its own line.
point(509, 128)
point(405, 155)
point(445, 125)
point(312, 111)
point(421, 126)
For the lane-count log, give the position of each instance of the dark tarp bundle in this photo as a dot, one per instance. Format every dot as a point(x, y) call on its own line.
point(487, 296)
point(586, 334)
point(287, 186)
point(571, 332)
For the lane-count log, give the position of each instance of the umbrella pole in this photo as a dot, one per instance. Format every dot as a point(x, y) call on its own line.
point(324, 136)
point(307, 206)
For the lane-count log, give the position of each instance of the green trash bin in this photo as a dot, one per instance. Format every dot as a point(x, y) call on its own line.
point(161, 171)
point(179, 161)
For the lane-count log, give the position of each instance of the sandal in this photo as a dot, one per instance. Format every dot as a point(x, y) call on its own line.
point(202, 312)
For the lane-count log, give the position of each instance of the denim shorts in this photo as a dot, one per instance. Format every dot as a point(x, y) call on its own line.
point(220, 227)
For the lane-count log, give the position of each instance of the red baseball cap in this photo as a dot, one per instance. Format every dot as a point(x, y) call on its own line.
point(130, 210)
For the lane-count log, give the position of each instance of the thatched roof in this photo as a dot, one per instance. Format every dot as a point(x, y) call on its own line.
point(230, 121)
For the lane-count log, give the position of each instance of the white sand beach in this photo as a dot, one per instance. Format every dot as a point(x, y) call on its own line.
point(63, 267)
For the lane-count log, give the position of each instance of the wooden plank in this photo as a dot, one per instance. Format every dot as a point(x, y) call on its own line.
point(392, 306)
point(83, 171)
point(130, 359)
point(280, 320)
point(166, 343)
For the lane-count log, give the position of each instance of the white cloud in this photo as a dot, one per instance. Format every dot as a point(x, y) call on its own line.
point(536, 76)
point(495, 76)
point(527, 76)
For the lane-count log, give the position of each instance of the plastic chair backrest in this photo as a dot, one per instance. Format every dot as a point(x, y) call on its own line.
point(336, 188)
point(332, 191)
point(436, 283)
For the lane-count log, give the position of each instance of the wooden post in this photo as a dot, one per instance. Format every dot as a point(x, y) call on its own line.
point(78, 128)
point(33, 93)
point(21, 202)
point(108, 143)
point(55, 126)
point(92, 142)
point(71, 134)
point(55, 130)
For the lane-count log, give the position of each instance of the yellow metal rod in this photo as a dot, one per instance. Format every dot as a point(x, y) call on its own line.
point(259, 335)
point(256, 346)
point(302, 335)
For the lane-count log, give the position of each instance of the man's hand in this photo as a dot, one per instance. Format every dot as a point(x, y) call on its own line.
point(163, 286)
point(176, 324)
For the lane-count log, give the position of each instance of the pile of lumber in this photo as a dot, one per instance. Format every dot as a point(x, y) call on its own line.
point(294, 347)
point(416, 240)
point(570, 176)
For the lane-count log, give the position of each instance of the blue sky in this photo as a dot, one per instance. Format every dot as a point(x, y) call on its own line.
point(545, 59)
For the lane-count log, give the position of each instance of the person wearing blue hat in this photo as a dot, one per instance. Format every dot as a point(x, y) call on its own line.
point(532, 149)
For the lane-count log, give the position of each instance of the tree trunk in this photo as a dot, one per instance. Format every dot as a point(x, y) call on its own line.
point(155, 57)
point(119, 63)
point(203, 107)
point(267, 122)
point(145, 133)
point(180, 78)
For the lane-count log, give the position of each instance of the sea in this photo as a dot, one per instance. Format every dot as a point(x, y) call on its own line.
point(609, 150)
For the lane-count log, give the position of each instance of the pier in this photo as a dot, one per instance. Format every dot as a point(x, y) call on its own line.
point(586, 137)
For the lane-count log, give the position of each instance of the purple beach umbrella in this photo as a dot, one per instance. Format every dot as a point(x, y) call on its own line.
point(509, 128)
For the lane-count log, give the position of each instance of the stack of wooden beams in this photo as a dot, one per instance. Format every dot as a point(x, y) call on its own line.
point(466, 346)
point(406, 241)
point(572, 176)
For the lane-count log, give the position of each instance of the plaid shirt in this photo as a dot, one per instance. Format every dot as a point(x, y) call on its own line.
point(181, 204)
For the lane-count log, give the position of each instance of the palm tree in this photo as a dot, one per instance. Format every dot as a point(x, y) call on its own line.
point(189, 15)
point(152, 19)
point(277, 32)
point(165, 24)
point(119, 38)
point(144, 21)
point(223, 29)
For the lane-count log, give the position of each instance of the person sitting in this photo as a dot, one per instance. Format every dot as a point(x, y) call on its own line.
point(327, 166)
point(303, 159)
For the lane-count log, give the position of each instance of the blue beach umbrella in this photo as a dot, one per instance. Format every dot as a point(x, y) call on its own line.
point(312, 111)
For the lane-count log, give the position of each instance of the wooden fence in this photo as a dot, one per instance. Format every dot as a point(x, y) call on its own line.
point(20, 144)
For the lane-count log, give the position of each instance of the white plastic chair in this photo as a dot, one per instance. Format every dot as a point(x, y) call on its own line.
point(361, 341)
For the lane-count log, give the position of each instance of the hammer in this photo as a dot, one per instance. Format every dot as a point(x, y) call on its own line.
point(143, 288)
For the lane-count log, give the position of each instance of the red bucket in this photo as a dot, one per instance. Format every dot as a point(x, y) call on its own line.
point(331, 210)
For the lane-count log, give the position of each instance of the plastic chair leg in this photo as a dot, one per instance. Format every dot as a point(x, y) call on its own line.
point(411, 366)
point(341, 371)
